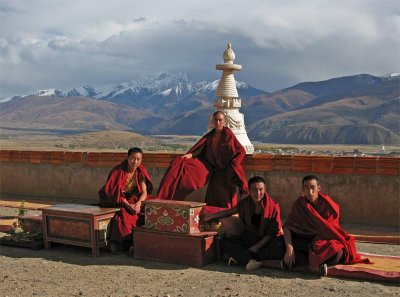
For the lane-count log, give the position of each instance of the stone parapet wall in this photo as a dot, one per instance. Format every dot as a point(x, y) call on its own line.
point(259, 162)
point(367, 188)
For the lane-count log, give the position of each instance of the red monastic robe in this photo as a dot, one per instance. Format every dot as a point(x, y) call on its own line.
point(221, 167)
point(271, 224)
point(111, 193)
point(321, 223)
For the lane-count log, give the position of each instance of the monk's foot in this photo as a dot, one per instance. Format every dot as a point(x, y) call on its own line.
point(253, 265)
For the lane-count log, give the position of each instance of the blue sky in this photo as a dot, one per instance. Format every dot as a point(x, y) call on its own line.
point(64, 44)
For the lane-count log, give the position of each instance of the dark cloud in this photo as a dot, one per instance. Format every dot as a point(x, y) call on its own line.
point(138, 20)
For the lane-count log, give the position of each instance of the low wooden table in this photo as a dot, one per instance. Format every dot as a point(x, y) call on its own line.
point(77, 224)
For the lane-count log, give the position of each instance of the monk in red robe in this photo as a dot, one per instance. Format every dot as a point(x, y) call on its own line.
point(260, 235)
point(217, 159)
point(127, 186)
point(313, 234)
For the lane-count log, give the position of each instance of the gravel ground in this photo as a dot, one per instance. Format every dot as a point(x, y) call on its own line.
point(71, 271)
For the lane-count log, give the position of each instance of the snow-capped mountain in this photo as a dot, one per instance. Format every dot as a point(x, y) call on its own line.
point(391, 76)
point(85, 91)
point(354, 109)
point(160, 87)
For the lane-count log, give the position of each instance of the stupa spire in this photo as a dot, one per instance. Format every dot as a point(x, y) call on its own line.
point(229, 101)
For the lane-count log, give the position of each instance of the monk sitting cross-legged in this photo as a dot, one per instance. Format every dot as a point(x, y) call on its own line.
point(217, 159)
point(260, 237)
point(312, 232)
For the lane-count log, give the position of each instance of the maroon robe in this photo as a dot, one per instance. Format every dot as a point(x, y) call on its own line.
point(271, 224)
point(221, 167)
point(321, 223)
point(111, 194)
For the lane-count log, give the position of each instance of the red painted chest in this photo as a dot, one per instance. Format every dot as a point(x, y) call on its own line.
point(173, 216)
point(196, 249)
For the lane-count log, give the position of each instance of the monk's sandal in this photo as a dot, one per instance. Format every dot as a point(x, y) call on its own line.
point(323, 270)
point(253, 265)
point(232, 261)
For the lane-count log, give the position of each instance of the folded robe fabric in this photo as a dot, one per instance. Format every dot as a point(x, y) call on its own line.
point(384, 268)
point(321, 223)
point(111, 194)
point(220, 166)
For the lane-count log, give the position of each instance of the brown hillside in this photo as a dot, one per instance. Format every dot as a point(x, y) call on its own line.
point(260, 107)
point(74, 114)
point(108, 139)
point(360, 120)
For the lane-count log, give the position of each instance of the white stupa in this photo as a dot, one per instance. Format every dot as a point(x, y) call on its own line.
point(229, 101)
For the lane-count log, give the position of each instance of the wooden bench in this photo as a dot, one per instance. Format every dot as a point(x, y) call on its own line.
point(77, 224)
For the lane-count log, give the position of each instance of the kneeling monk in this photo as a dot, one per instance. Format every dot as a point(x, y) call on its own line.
point(312, 232)
point(128, 185)
point(217, 159)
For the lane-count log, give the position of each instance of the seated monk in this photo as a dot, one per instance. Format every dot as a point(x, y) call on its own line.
point(312, 232)
point(260, 236)
point(127, 186)
point(217, 159)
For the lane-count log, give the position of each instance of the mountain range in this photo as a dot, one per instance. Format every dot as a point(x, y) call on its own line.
point(359, 109)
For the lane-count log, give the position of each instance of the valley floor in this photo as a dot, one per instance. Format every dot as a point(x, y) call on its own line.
point(121, 141)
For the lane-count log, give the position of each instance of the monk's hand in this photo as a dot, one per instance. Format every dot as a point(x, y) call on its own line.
point(130, 207)
point(289, 258)
point(187, 156)
point(137, 206)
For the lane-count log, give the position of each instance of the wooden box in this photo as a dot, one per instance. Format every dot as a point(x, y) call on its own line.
point(77, 224)
point(173, 216)
point(191, 249)
point(32, 224)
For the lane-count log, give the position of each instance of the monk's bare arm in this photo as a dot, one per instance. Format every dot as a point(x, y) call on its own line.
point(289, 258)
point(220, 215)
point(254, 248)
point(138, 205)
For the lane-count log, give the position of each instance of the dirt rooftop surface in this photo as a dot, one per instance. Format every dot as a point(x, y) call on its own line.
point(71, 271)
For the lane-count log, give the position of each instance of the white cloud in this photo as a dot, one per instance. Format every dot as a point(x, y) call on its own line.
point(279, 43)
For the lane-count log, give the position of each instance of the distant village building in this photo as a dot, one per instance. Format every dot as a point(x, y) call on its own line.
point(229, 101)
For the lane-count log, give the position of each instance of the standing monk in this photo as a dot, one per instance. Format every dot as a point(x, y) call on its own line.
point(217, 158)
point(127, 186)
point(313, 234)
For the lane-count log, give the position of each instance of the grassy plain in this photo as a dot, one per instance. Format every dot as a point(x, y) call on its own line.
point(121, 141)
